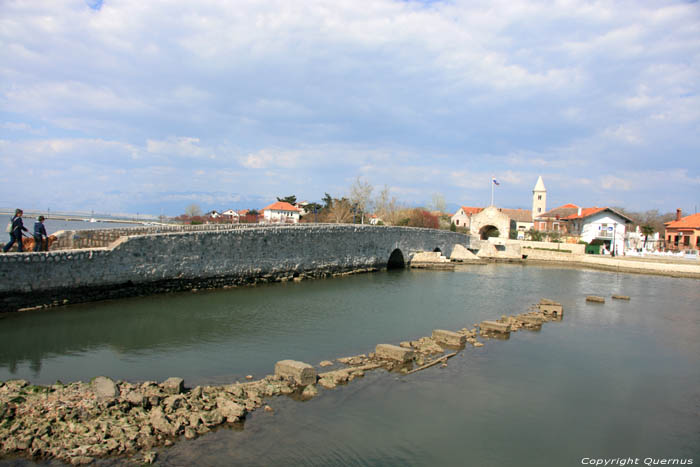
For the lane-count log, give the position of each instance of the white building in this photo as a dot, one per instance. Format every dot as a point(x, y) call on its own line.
point(231, 215)
point(603, 224)
point(281, 213)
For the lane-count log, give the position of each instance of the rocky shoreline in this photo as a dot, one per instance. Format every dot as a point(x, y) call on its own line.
point(79, 422)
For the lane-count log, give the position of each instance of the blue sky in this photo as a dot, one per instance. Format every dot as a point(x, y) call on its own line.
point(133, 106)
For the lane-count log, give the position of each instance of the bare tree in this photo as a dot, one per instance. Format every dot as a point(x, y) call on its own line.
point(386, 206)
point(340, 211)
point(438, 203)
point(360, 196)
point(193, 210)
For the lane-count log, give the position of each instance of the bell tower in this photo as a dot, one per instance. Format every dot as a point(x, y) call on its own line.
point(539, 199)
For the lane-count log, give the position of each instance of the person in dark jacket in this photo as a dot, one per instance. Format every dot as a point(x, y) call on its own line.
point(16, 232)
point(40, 235)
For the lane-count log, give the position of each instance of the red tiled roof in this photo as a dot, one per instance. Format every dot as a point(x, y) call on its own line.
point(585, 212)
point(570, 205)
point(280, 206)
point(470, 210)
point(687, 222)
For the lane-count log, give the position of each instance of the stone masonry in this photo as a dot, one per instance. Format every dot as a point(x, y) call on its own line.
point(163, 262)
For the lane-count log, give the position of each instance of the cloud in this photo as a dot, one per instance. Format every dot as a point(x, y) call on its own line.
point(274, 97)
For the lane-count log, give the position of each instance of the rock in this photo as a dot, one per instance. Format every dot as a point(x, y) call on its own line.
point(172, 403)
point(249, 377)
point(327, 383)
point(460, 253)
point(190, 433)
point(135, 398)
point(149, 457)
point(595, 299)
point(229, 409)
point(444, 365)
point(104, 388)
point(173, 385)
point(326, 363)
point(80, 460)
point(269, 409)
point(450, 338)
point(309, 391)
point(620, 297)
point(394, 352)
point(212, 418)
point(494, 326)
point(161, 423)
point(302, 373)
point(478, 344)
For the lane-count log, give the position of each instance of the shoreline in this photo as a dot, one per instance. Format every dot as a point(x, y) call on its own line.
point(618, 265)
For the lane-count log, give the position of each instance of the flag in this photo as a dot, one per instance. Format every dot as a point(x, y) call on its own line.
point(495, 182)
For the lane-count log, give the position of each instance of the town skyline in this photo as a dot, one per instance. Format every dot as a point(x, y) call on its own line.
point(148, 108)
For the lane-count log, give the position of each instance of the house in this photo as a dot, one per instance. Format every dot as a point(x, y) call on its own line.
point(375, 220)
point(683, 233)
point(281, 213)
point(520, 221)
point(552, 221)
point(462, 218)
point(604, 225)
point(230, 216)
point(213, 214)
point(301, 206)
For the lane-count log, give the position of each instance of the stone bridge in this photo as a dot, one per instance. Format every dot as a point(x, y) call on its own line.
point(143, 261)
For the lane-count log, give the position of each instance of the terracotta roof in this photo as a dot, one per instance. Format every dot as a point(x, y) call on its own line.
point(560, 212)
point(687, 222)
point(519, 215)
point(470, 210)
point(586, 212)
point(280, 206)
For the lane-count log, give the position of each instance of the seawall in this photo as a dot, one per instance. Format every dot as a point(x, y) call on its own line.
point(175, 261)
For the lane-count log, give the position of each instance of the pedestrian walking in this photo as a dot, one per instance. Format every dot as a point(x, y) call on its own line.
point(16, 232)
point(40, 235)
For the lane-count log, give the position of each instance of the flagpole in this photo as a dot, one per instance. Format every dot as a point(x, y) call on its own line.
point(492, 191)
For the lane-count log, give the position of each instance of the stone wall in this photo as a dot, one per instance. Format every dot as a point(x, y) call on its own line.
point(170, 261)
point(575, 248)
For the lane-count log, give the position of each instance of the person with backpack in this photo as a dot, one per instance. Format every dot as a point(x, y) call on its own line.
point(16, 229)
point(40, 235)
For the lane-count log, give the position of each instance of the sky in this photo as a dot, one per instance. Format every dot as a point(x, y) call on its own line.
point(126, 106)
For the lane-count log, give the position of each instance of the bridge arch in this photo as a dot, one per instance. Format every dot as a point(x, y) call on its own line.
point(396, 260)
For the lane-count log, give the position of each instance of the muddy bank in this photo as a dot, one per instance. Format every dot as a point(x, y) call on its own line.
point(79, 422)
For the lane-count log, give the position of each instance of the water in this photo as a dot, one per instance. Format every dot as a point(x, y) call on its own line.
point(54, 225)
point(615, 380)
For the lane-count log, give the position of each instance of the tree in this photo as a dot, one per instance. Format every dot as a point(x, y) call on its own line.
point(438, 203)
point(327, 201)
point(453, 227)
point(535, 235)
point(193, 210)
point(360, 196)
point(386, 206)
point(422, 218)
point(291, 199)
point(341, 211)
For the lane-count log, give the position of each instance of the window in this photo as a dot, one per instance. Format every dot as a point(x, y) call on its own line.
point(539, 209)
point(457, 222)
point(539, 197)
point(543, 225)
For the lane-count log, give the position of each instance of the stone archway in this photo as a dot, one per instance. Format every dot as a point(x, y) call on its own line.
point(437, 250)
point(488, 231)
point(396, 260)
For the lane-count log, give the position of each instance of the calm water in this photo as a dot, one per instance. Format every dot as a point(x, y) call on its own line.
point(615, 380)
point(54, 225)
